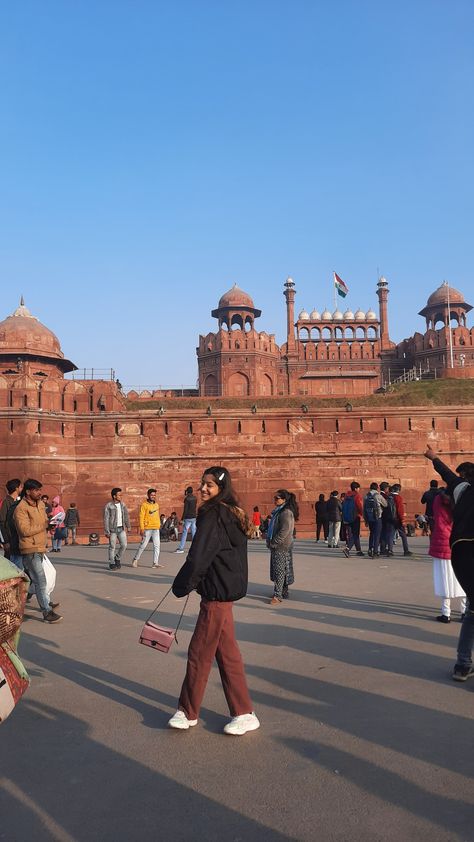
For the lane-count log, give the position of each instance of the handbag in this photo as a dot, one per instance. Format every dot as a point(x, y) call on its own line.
point(14, 680)
point(160, 637)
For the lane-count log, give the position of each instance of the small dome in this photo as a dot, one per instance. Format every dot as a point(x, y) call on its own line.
point(314, 316)
point(370, 315)
point(326, 316)
point(360, 316)
point(440, 296)
point(237, 298)
point(22, 334)
point(348, 316)
point(337, 316)
point(303, 316)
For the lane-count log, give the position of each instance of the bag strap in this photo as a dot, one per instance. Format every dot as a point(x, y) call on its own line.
point(181, 615)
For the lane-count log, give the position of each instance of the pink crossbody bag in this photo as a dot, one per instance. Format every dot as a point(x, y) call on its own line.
point(159, 637)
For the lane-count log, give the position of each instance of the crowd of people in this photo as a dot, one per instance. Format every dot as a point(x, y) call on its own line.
point(216, 564)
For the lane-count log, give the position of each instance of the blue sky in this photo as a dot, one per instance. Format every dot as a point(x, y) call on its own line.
point(154, 153)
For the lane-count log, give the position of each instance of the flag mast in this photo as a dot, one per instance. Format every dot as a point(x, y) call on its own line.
point(335, 290)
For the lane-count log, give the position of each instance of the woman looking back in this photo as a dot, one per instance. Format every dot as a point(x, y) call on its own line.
point(280, 543)
point(216, 566)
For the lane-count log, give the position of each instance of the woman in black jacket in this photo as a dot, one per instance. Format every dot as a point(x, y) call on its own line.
point(216, 566)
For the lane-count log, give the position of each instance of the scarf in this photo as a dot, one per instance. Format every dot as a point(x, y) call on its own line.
point(273, 517)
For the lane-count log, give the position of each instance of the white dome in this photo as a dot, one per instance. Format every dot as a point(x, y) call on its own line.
point(326, 316)
point(303, 316)
point(360, 316)
point(348, 315)
point(315, 316)
point(337, 315)
point(370, 315)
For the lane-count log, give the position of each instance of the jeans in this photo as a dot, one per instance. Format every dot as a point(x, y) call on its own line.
point(33, 565)
point(324, 525)
point(188, 524)
point(121, 536)
point(334, 532)
point(154, 535)
point(18, 560)
point(387, 537)
point(462, 559)
point(71, 532)
point(353, 534)
point(375, 531)
point(403, 536)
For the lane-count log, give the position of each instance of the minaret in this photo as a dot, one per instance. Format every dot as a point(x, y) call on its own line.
point(382, 292)
point(289, 294)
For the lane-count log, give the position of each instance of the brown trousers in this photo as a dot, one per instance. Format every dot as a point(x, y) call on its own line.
point(214, 637)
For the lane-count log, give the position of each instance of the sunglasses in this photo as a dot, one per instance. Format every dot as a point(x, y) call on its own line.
point(278, 498)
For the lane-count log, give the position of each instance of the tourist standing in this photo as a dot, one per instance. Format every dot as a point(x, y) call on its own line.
point(56, 522)
point(71, 522)
point(188, 517)
point(389, 520)
point(461, 489)
point(428, 499)
point(217, 568)
point(116, 523)
point(321, 510)
point(334, 519)
point(445, 583)
point(400, 517)
point(31, 523)
point(374, 503)
point(256, 522)
point(280, 543)
point(352, 511)
point(149, 527)
point(13, 487)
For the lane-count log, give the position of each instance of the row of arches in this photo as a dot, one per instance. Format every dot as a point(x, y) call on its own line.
point(343, 351)
point(338, 334)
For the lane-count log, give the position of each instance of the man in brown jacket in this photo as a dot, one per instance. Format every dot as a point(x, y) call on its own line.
point(31, 522)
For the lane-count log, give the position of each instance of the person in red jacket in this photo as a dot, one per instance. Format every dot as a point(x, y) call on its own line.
point(352, 511)
point(400, 522)
point(445, 583)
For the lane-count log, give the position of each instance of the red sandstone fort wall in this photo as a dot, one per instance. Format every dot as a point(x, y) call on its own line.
point(81, 457)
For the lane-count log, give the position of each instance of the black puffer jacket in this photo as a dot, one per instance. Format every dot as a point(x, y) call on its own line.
point(216, 566)
point(463, 514)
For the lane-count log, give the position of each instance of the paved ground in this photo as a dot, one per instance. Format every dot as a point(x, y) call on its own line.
point(364, 736)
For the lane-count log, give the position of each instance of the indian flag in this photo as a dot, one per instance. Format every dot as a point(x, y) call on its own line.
point(342, 290)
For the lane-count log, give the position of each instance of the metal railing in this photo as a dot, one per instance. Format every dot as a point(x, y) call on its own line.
point(92, 374)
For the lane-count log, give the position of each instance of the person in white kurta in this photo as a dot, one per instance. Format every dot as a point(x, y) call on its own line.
point(445, 583)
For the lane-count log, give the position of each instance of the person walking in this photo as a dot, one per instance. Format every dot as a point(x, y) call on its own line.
point(217, 567)
point(460, 487)
point(389, 520)
point(428, 499)
point(334, 519)
point(321, 510)
point(71, 522)
point(400, 517)
point(280, 543)
point(149, 528)
point(56, 522)
point(188, 517)
point(445, 583)
point(374, 503)
point(31, 522)
point(116, 523)
point(352, 511)
point(10, 548)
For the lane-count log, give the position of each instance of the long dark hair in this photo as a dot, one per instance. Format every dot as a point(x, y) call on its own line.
point(226, 495)
point(290, 501)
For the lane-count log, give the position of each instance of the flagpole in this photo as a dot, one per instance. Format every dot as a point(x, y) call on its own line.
point(335, 290)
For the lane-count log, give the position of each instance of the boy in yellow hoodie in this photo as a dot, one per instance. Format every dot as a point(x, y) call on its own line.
point(149, 527)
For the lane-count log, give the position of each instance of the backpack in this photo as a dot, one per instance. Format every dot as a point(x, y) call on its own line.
point(371, 509)
point(391, 510)
point(349, 509)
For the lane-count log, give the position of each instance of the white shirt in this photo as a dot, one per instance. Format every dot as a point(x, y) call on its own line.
point(119, 515)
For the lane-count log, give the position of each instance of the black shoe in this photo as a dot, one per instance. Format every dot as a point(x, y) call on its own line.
point(360, 553)
point(118, 563)
point(461, 673)
point(408, 553)
point(113, 566)
point(51, 617)
point(389, 554)
point(443, 619)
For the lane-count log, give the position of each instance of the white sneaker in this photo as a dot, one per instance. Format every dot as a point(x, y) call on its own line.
point(239, 725)
point(134, 563)
point(180, 720)
point(179, 551)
